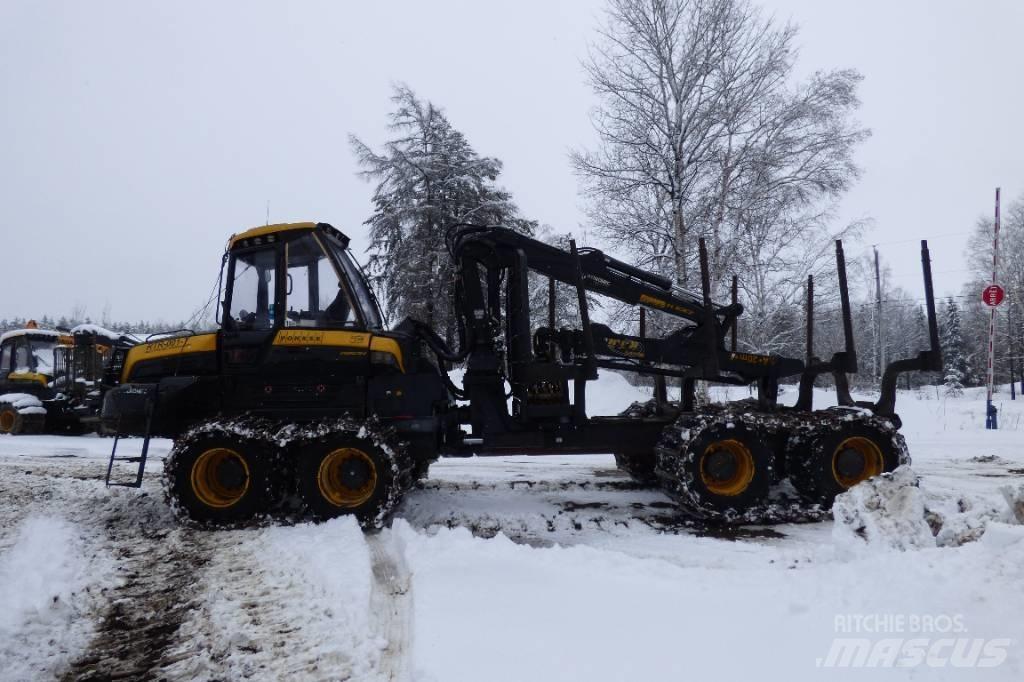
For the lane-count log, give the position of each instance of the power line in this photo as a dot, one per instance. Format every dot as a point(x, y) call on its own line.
point(933, 237)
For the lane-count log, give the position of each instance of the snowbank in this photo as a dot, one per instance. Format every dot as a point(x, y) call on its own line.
point(496, 610)
point(44, 576)
point(886, 511)
point(307, 585)
point(1014, 496)
point(892, 511)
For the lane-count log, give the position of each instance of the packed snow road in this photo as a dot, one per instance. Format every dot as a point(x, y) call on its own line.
point(519, 568)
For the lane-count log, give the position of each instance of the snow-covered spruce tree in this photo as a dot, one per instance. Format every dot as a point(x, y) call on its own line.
point(954, 356)
point(429, 179)
point(704, 131)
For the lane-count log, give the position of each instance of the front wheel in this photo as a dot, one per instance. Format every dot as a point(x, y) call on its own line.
point(349, 475)
point(218, 479)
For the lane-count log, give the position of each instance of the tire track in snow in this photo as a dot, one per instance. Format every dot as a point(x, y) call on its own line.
point(159, 571)
point(391, 605)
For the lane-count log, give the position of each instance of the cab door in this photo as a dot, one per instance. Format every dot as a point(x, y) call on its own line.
point(6, 357)
point(252, 315)
point(320, 356)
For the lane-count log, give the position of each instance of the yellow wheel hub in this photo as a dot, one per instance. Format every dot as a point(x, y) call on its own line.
point(856, 459)
point(7, 419)
point(347, 477)
point(220, 478)
point(727, 467)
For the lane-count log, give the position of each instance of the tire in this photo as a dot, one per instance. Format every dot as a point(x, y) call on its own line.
point(835, 459)
point(640, 467)
point(15, 423)
point(345, 474)
point(218, 478)
point(724, 471)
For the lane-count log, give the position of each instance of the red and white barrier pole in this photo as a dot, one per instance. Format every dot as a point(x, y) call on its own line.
point(991, 421)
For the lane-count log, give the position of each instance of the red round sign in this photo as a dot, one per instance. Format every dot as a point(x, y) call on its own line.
point(993, 295)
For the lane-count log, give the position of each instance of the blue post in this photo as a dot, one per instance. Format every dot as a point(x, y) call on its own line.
point(991, 416)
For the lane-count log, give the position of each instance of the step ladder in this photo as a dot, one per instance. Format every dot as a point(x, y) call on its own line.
point(140, 459)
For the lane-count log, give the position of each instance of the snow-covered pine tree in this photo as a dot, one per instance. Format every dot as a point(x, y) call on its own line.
point(954, 356)
point(429, 179)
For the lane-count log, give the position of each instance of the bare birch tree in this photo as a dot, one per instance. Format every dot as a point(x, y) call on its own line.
point(704, 132)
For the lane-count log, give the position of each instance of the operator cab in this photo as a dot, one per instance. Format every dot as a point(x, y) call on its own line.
point(296, 275)
point(29, 354)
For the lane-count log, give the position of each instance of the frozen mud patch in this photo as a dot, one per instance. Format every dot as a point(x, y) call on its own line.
point(155, 577)
point(46, 590)
point(887, 511)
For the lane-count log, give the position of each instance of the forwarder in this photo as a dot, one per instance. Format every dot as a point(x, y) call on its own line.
point(302, 394)
point(53, 380)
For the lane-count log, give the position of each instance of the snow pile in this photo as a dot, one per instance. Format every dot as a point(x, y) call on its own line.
point(893, 511)
point(887, 511)
point(283, 603)
point(1014, 497)
point(44, 584)
point(24, 403)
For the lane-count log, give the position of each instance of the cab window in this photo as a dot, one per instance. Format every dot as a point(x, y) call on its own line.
point(316, 295)
point(43, 355)
point(22, 362)
point(252, 290)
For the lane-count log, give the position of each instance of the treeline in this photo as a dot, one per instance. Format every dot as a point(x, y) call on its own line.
point(140, 328)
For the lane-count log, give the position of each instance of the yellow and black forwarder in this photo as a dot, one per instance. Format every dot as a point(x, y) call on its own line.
point(53, 380)
point(302, 394)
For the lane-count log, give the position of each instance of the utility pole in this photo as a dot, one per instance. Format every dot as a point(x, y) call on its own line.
point(879, 346)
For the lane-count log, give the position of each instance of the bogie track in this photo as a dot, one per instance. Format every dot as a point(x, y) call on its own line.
point(734, 463)
point(237, 471)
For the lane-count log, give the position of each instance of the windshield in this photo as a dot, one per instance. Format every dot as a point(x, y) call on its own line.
point(34, 355)
point(316, 295)
point(42, 353)
point(367, 303)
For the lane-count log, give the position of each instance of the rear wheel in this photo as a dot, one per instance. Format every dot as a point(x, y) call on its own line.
point(349, 475)
point(838, 459)
point(218, 478)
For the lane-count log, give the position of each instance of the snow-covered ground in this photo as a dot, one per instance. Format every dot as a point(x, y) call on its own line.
point(519, 568)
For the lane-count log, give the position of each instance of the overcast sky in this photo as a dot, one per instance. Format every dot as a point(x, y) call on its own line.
point(136, 136)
